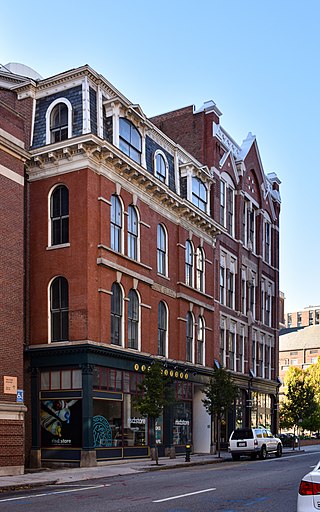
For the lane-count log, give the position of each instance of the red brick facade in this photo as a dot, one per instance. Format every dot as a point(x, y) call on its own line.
point(14, 140)
point(218, 214)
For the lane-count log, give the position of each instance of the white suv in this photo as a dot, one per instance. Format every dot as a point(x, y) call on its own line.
point(253, 442)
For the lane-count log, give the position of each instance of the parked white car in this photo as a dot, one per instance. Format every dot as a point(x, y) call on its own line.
point(309, 491)
point(254, 442)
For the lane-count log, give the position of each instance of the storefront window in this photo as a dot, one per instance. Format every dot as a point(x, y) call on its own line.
point(261, 410)
point(135, 426)
point(182, 423)
point(107, 423)
point(61, 423)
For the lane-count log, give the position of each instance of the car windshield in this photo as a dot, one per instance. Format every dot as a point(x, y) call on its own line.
point(242, 433)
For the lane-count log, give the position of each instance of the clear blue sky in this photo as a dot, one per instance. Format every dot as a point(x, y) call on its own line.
point(258, 60)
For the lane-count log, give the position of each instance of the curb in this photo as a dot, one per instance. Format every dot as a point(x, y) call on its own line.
point(29, 485)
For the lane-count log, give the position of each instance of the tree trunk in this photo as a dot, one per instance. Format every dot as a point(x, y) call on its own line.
point(219, 434)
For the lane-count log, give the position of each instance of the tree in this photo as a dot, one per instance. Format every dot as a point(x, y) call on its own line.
point(220, 394)
point(299, 408)
point(156, 392)
point(313, 378)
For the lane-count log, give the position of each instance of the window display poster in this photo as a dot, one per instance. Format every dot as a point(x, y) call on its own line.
point(61, 423)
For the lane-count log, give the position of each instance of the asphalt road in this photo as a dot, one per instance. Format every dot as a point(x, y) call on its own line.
point(244, 486)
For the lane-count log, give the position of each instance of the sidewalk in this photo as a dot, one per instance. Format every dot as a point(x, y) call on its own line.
point(109, 469)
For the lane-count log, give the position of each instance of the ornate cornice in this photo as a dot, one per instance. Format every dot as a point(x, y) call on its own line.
point(103, 158)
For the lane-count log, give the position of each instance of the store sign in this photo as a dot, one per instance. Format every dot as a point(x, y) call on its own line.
point(181, 423)
point(137, 421)
point(10, 385)
point(167, 372)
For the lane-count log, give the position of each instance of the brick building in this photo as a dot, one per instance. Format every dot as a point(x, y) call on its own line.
point(15, 123)
point(307, 316)
point(298, 347)
point(247, 204)
point(138, 250)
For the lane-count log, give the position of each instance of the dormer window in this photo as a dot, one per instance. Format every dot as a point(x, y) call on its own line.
point(199, 194)
point(161, 167)
point(59, 121)
point(130, 140)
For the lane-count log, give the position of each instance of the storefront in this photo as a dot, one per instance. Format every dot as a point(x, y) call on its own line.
point(90, 406)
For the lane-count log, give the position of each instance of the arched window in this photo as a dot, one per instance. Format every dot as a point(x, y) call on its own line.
point(59, 309)
point(199, 194)
point(132, 233)
point(116, 314)
point(130, 140)
point(59, 215)
point(59, 123)
point(116, 223)
point(200, 341)
point(189, 338)
point(189, 263)
point(162, 329)
point(133, 320)
point(200, 269)
point(161, 250)
point(160, 167)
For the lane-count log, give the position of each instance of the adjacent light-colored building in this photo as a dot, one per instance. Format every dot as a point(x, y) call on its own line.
point(298, 347)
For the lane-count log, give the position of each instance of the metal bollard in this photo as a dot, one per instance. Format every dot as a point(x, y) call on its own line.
point(188, 452)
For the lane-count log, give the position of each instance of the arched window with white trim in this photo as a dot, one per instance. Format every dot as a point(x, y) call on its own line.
point(116, 224)
point(59, 216)
point(162, 329)
point(59, 309)
point(189, 263)
point(133, 233)
point(161, 167)
point(116, 314)
point(58, 121)
point(133, 320)
point(200, 341)
point(189, 337)
point(200, 269)
point(162, 250)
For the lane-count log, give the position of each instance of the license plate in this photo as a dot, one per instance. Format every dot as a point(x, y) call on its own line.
point(242, 444)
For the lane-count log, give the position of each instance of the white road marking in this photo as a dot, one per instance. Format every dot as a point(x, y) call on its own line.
point(54, 492)
point(184, 495)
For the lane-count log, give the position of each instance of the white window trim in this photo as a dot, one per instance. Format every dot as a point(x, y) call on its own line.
point(166, 274)
point(204, 340)
point(193, 338)
point(48, 118)
point(192, 263)
point(139, 321)
point(138, 231)
point(159, 152)
point(122, 224)
point(49, 216)
point(200, 250)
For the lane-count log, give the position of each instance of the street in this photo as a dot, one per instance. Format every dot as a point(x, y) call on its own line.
point(244, 486)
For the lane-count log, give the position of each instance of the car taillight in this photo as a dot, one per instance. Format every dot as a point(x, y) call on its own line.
point(308, 488)
point(255, 442)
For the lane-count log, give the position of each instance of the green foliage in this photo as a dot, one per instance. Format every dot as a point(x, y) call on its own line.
point(299, 407)
point(220, 393)
point(313, 378)
point(156, 392)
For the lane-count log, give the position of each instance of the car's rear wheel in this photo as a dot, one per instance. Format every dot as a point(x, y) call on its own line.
point(263, 453)
point(279, 451)
point(235, 456)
